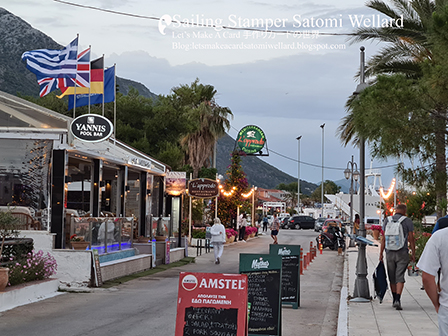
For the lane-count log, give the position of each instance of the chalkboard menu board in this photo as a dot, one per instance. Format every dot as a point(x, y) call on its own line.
point(264, 273)
point(290, 272)
point(210, 321)
point(212, 304)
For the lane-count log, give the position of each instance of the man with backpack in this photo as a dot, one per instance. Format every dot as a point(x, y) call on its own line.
point(398, 231)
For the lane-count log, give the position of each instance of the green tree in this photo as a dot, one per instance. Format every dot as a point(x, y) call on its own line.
point(208, 121)
point(403, 113)
point(235, 186)
point(329, 188)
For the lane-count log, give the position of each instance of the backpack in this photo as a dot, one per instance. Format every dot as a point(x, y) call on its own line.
point(394, 234)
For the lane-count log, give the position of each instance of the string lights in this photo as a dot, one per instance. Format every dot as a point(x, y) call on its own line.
point(389, 192)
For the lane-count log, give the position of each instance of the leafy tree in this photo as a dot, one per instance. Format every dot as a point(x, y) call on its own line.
point(207, 120)
point(403, 113)
point(329, 188)
point(236, 184)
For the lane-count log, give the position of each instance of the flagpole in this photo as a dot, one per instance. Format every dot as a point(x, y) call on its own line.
point(90, 74)
point(74, 102)
point(115, 102)
point(103, 85)
point(76, 73)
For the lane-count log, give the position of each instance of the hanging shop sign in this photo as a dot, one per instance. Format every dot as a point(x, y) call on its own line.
point(251, 139)
point(91, 128)
point(203, 188)
point(175, 183)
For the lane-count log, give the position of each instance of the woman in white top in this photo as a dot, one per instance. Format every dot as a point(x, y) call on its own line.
point(218, 232)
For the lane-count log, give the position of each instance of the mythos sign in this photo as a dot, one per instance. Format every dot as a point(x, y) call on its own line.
point(251, 139)
point(91, 128)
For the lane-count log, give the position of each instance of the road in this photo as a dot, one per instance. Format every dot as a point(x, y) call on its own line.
point(147, 306)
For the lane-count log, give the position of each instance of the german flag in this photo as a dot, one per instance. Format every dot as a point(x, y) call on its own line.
point(96, 80)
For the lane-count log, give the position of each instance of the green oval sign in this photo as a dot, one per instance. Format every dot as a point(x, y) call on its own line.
point(251, 139)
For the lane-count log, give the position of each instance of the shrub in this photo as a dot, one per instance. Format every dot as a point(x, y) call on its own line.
point(199, 234)
point(421, 238)
point(36, 266)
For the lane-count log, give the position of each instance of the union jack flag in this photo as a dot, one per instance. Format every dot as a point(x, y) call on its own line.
point(48, 84)
point(82, 75)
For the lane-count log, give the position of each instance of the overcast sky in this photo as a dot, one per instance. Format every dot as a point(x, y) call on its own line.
point(287, 83)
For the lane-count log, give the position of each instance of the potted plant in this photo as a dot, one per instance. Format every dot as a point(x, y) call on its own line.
point(78, 243)
point(376, 230)
point(7, 230)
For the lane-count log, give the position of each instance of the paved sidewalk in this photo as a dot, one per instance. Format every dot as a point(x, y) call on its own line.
point(418, 316)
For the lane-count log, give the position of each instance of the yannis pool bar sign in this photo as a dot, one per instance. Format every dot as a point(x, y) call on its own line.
point(251, 139)
point(91, 128)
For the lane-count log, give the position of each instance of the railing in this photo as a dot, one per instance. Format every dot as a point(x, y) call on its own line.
point(105, 234)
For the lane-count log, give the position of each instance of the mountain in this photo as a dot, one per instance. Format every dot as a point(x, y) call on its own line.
point(259, 173)
point(344, 184)
point(18, 36)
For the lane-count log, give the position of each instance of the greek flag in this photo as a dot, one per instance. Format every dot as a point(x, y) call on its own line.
point(48, 63)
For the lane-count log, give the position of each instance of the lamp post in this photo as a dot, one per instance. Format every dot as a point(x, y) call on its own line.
point(322, 185)
point(351, 173)
point(254, 189)
point(361, 288)
point(298, 177)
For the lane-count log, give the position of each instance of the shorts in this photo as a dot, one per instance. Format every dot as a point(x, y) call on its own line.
point(274, 232)
point(397, 263)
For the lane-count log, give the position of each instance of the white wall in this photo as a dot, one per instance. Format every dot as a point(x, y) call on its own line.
point(73, 266)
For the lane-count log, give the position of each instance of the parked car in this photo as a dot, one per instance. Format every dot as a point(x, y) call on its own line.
point(284, 223)
point(318, 224)
point(331, 222)
point(301, 222)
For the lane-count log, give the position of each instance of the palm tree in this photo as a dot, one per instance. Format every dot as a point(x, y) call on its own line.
point(408, 50)
point(208, 122)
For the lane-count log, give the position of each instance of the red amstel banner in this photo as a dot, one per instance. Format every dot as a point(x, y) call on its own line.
point(212, 304)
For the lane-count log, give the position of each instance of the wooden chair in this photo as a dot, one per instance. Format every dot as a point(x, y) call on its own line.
point(26, 221)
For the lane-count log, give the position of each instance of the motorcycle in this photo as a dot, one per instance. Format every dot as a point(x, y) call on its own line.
point(333, 239)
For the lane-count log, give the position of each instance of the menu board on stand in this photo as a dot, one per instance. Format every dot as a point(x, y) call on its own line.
point(264, 274)
point(290, 272)
point(212, 304)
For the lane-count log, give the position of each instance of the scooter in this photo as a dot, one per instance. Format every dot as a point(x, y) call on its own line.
point(333, 239)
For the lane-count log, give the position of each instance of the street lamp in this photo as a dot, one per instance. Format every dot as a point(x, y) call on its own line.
point(254, 189)
point(298, 178)
point(351, 173)
point(361, 288)
point(322, 185)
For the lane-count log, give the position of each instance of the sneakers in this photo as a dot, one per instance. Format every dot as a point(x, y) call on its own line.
point(218, 261)
point(397, 305)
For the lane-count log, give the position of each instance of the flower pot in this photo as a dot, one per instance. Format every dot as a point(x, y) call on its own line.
point(376, 234)
point(160, 238)
point(4, 278)
point(79, 245)
point(230, 240)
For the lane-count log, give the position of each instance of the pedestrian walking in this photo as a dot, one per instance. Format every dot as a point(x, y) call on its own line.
point(433, 259)
point(398, 231)
point(356, 224)
point(265, 223)
point(218, 232)
point(243, 224)
point(275, 228)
